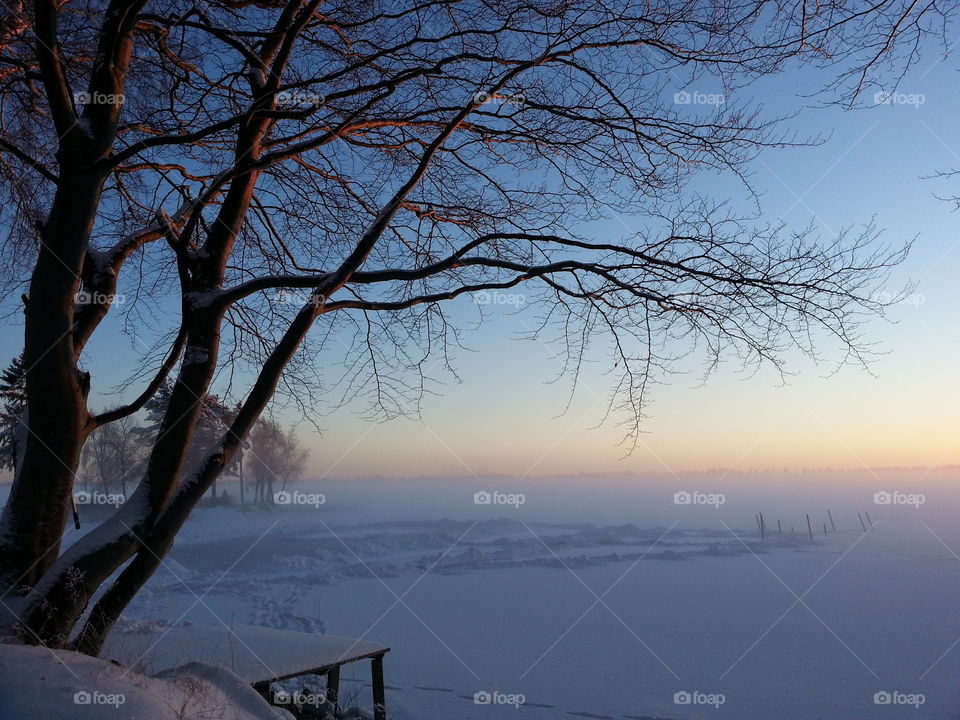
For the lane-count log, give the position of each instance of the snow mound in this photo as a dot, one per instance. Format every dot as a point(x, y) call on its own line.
point(43, 683)
point(278, 654)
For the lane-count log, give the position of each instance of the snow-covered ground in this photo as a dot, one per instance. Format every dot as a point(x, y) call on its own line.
point(42, 684)
point(626, 618)
point(591, 619)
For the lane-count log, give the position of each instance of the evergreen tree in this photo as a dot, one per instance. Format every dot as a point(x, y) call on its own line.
point(14, 400)
point(214, 419)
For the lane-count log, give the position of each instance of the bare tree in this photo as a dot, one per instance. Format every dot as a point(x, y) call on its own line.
point(113, 455)
point(275, 456)
point(373, 160)
point(213, 420)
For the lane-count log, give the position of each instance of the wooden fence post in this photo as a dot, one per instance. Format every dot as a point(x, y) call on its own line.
point(379, 697)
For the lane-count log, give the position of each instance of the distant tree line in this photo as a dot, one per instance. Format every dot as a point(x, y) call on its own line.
point(115, 455)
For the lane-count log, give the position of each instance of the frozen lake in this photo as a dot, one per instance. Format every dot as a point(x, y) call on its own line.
point(594, 620)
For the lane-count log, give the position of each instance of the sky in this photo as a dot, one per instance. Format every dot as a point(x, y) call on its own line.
point(507, 416)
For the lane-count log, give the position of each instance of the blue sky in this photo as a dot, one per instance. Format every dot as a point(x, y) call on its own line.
point(504, 417)
point(507, 418)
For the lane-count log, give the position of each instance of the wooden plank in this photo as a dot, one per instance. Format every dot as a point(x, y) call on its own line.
point(379, 697)
point(333, 690)
point(256, 654)
point(261, 656)
point(324, 669)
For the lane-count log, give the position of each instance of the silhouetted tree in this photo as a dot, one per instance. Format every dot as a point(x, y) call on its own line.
point(113, 455)
point(13, 397)
point(212, 422)
point(274, 455)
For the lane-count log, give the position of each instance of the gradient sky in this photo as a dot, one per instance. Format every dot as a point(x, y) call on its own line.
point(506, 417)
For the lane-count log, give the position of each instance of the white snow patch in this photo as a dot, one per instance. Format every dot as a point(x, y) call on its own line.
point(195, 355)
point(43, 683)
point(255, 654)
point(199, 300)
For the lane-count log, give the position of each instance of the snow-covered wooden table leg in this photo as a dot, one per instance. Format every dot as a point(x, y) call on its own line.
point(333, 689)
point(379, 697)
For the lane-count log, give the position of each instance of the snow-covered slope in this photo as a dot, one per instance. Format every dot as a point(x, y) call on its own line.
point(42, 684)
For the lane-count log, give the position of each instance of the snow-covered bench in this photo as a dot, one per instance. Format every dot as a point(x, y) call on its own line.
point(259, 655)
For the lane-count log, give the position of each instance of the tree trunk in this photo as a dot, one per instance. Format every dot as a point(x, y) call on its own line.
point(241, 478)
point(107, 610)
point(56, 410)
point(61, 595)
point(57, 416)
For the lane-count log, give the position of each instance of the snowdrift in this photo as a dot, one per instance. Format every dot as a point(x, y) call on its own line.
point(43, 684)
